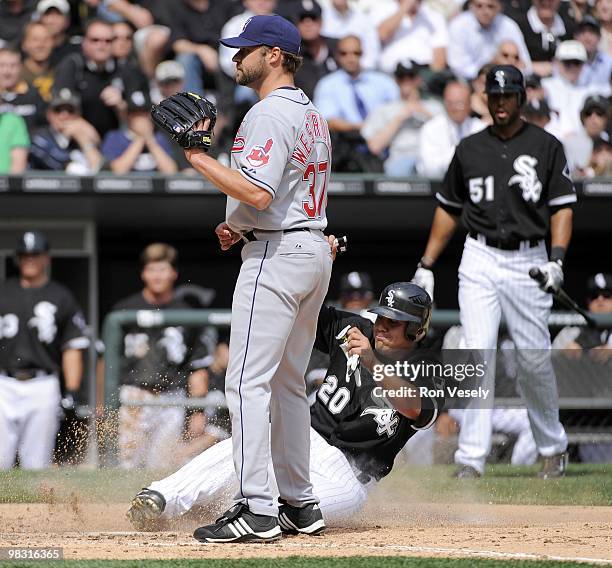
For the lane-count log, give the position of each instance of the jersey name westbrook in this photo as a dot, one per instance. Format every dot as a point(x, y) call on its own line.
point(314, 130)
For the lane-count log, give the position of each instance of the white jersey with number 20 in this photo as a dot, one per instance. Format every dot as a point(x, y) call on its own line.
point(283, 146)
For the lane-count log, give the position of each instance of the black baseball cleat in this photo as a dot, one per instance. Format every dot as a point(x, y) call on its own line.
point(303, 520)
point(466, 472)
point(239, 524)
point(145, 509)
point(554, 466)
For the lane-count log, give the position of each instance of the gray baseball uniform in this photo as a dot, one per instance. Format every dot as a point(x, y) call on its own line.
point(282, 146)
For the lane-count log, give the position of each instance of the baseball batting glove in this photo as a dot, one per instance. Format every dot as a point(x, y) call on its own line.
point(553, 272)
point(424, 278)
point(179, 114)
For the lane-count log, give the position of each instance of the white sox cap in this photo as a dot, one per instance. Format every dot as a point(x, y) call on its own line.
point(571, 50)
point(60, 5)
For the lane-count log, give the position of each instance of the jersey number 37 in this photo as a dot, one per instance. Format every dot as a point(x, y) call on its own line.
point(316, 176)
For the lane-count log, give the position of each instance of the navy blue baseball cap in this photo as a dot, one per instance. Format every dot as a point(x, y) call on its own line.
point(273, 31)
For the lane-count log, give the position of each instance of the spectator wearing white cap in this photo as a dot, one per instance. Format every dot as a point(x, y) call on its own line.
point(476, 34)
point(563, 92)
point(55, 16)
point(340, 20)
point(598, 66)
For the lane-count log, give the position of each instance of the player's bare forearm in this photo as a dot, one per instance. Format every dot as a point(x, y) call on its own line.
point(228, 181)
point(197, 384)
point(442, 229)
point(561, 228)
point(408, 406)
point(72, 367)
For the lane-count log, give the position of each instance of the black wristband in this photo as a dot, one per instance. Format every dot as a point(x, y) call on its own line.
point(557, 254)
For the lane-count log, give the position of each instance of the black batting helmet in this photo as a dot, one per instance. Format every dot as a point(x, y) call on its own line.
point(405, 301)
point(503, 79)
point(32, 242)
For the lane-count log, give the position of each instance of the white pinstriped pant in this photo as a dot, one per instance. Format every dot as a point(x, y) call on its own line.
point(492, 282)
point(209, 481)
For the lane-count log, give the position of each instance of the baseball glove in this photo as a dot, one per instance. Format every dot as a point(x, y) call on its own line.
point(179, 114)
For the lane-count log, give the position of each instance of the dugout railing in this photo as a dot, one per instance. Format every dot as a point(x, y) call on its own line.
point(442, 319)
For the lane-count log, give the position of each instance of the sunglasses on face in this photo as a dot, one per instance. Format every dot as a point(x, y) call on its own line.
point(606, 294)
point(511, 56)
point(100, 40)
point(63, 108)
point(594, 111)
point(349, 52)
point(572, 63)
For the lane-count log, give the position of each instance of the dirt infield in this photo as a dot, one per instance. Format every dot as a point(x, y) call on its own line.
point(100, 531)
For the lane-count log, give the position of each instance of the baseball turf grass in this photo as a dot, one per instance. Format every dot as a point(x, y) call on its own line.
point(585, 484)
point(301, 562)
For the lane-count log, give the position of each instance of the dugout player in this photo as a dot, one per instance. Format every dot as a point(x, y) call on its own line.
point(511, 184)
point(276, 200)
point(157, 364)
point(42, 335)
point(355, 434)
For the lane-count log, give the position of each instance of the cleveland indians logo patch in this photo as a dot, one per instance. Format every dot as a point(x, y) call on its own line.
point(527, 177)
point(259, 155)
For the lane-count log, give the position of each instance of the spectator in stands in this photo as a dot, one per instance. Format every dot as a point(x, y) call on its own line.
point(317, 50)
point(356, 292)
point(14, 143)
point(138, 148)
point(543, 28)
point(55, 16)
point(598, 67)
point(600, 164)
point(238, 95)
point(478, 98)
point(508, 54)
point(340, 20)
point(408, 29)
point(597, 342)
point(533, 88)
point(14, 15)
point(346, 97)
point(579, 146)
point(563, 92)
point(538, 112)
point(69, 143)
point(36, 46)
point(157, 364)
point(15, 94)
point(196, 29)
point(150, 19)
point(441, 134)
point(478, 33)
point(603, 12)
point(123, 43)
point(170, 79)
point(93, 74)
point(392, 130)
point(234, 26)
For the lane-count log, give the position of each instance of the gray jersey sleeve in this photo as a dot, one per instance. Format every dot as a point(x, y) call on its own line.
point(268, 143)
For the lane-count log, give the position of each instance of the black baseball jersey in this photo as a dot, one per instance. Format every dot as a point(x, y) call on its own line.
point(507, 189)
point(36, 325)
point(159, 358)
point(367, 429)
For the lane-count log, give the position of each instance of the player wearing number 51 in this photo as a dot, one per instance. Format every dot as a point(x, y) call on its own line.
point(276, 203)
point(511, 184)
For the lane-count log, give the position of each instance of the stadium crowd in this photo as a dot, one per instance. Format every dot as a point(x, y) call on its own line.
point(400, 81)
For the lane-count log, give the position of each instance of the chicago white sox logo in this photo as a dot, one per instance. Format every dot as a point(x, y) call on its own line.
point(390, 299)
point(500, 77)
point(527, 177)
point(385, 418)
point(44, 321)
